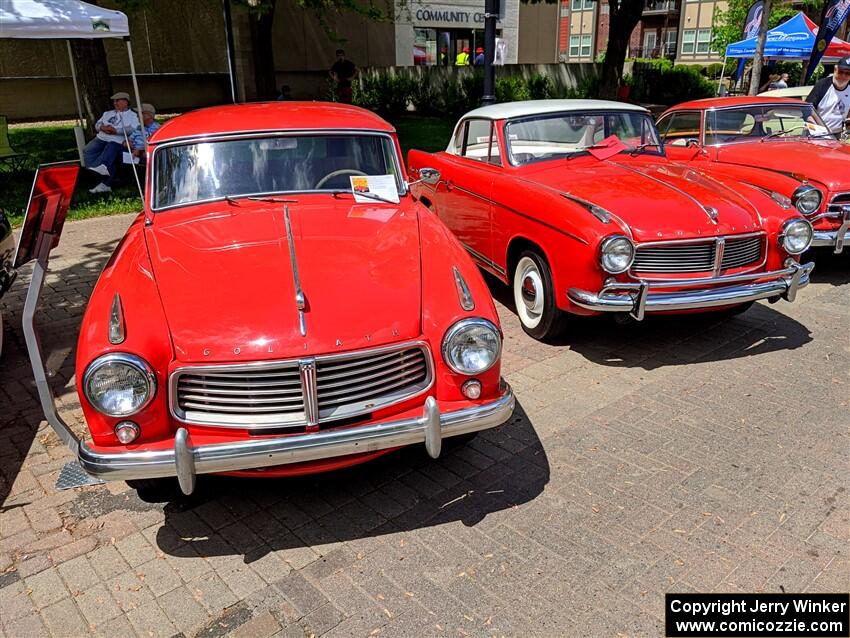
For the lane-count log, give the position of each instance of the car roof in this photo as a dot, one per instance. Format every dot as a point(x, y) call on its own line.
point(509, 110)
point(738, 100)
point(269, 116)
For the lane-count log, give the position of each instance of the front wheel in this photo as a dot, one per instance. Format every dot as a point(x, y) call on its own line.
point(534, 297)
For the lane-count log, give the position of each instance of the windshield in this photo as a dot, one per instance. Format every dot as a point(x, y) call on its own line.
point(205, 171)
point(564, 134)
point(748, 123)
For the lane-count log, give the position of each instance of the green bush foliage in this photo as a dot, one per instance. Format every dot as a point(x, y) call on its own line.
point(452, 92)
point(662, 82)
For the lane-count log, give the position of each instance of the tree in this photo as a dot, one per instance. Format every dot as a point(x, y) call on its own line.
point(623, 17)
point(93, 79)
point(758, 55)
point(261, 20)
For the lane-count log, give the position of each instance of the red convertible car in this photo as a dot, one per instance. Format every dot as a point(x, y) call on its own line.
point(261, 318)
point(771, 143)
point(574, 204)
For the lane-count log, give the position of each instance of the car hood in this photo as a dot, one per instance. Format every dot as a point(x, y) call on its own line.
point(226, 278)
point(821, 161)
point(657, 200)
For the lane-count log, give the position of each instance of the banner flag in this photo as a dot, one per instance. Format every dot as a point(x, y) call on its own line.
point(835, 15)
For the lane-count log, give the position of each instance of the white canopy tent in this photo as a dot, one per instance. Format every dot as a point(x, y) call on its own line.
point(66, 20)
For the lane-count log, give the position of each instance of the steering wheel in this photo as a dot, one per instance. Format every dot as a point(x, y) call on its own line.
point(337, 173)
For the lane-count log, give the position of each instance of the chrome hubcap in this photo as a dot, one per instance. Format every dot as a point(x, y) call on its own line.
point(529, 292)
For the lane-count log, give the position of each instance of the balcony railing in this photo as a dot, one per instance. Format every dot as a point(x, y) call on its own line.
point(662, 51)
point(659, 7)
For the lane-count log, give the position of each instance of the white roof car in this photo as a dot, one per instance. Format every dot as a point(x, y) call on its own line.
point(509, 110)
point(801, 92)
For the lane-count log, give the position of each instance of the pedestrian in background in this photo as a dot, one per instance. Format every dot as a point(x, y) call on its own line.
point(831, 96)
point(343, 72)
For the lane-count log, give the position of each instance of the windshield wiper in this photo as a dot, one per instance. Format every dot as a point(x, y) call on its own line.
point(782, 132)
point(233, 200)
point(640, 147)
point(377, 198)
point(577, 152)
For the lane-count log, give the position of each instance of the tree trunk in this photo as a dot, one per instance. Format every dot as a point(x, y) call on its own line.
point(758, 56)
point(623, 18)
point(263, 52)
point(93, 78)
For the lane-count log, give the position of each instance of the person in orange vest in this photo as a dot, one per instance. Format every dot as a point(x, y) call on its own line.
point(462, 58)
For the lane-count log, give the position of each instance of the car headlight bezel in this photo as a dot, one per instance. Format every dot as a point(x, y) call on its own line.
point(605, 248)
point(787, 232)
point(804, 194)
point(459, 328)
point(132, 361)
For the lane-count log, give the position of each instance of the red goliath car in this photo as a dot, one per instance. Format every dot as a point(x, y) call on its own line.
point(574, 204)
point(773, 143)
point(262, 318)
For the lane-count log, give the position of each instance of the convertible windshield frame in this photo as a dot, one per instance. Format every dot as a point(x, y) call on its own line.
point(709, 114)
point(583, 113)
point(401, 182)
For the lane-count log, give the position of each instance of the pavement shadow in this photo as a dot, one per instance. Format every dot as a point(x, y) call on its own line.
point(404, 490)
point(58, 319)
point(829, 268)
point(662, 340)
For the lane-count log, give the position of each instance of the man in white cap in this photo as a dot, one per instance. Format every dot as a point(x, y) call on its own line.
point(831, 96)
point(137, 142)
point(102, 153)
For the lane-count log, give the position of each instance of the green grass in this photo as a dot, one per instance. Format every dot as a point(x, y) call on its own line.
point(56, 143)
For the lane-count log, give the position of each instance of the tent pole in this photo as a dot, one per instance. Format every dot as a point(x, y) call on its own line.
point(74, 78)
point(722, 71)
point(136, 88)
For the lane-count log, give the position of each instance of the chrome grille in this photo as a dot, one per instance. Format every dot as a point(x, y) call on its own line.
point(742, 252)
point(698, 256)
point(292, 393)
point(357, 384)
point(838, 200)
point(675, 257)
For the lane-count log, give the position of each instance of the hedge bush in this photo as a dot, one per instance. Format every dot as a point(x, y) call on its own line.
point(662, 82)
point(452, 94)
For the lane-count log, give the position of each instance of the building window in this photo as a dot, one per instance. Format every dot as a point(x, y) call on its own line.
point(703, 40)
point(581, 5)
point(586, 45)
point(575, 45)
point(688, 39)
point(670, 37)
point(649, 42)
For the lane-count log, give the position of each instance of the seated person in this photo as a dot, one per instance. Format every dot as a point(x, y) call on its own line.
point(137, 142)
point(102, 153)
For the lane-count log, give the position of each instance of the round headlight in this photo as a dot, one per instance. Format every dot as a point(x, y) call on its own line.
point(616, 254)
point(807, 199)
point(119, 384)
point(472, 346)
point(796, 236)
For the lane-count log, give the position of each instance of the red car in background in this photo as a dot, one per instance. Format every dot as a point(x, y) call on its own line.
point(775, 144)
point(260, 318)
point(575, 206)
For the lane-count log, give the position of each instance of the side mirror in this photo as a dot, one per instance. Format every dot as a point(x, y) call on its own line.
point(692, 142)
point(430, 176)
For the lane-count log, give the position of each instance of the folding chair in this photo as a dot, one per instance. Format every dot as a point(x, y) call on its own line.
point(10, 159)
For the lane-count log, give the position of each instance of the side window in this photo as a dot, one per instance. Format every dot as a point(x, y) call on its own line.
point(680, 128)
point(457, 143)
point(481, 143)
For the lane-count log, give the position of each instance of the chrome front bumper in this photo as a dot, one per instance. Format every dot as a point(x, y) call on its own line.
point(834, 238)
point(638, 298)
point(186, 461)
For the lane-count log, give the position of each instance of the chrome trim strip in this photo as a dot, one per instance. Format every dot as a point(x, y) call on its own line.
point(463, 294)
point(597, 211)
point(117, 332)
point(710, 211)
point(432, 426)
point(402, 189)
point(300, 301)
point(719, 249)
point(259, 366)
point(487, 262)
point(636, 297)
point(309, 392)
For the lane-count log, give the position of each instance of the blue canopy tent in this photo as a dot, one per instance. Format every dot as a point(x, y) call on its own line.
point(793, 39)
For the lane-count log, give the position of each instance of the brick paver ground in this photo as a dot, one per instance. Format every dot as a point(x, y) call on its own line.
point(688, 454)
